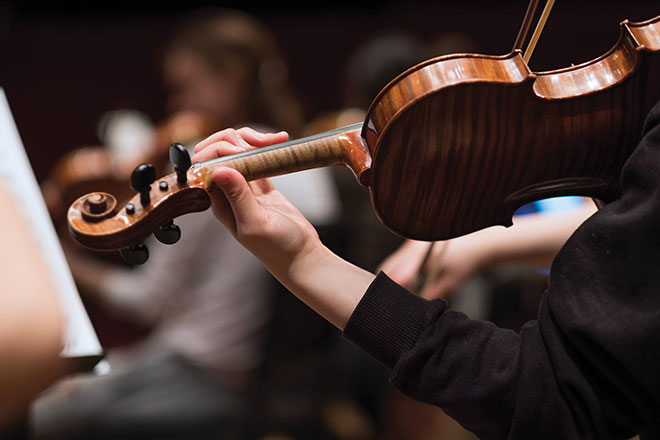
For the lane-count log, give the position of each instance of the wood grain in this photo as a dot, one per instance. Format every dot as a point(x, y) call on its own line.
point(340, 147)
point(454, 144)
point(343, 146)
point(459, 143)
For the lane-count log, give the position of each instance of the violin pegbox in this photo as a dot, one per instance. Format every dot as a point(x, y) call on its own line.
point(170, 233)
point(141, 179)
point(97, 221)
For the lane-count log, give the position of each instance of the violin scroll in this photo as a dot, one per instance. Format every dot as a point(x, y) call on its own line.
point(95, 221)
point(97, 206)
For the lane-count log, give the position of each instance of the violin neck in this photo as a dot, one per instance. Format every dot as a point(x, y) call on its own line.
point(343, 146)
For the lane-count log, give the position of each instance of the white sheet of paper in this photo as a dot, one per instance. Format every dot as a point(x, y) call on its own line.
point(16, 174)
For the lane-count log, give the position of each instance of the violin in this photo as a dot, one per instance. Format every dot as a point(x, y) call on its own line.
point(94, 168)
point(450, 146)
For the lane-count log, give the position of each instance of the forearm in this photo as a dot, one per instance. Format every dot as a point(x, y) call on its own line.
point(265, 223)
point(534, 239)
point(328, 284)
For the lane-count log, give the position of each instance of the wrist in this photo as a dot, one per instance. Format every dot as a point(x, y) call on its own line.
point(312, 262)
point(325, 282)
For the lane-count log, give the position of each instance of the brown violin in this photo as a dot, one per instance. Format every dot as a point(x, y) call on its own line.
point(93, 168)
point(452, 145)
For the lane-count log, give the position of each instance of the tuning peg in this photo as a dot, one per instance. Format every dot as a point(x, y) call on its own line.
point(135, 255)
point(169, 233)
point(141, 179)
point(181, 159)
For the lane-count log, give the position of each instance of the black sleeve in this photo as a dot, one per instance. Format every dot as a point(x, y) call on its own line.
point(587, 368)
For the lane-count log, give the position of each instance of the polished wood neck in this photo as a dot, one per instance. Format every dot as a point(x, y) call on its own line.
point(343, 146)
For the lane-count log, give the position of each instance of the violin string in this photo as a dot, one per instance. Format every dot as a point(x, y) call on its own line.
point(280, 145)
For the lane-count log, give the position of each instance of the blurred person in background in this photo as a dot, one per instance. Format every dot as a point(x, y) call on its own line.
point(532, 241)
point(228, 66)
point(470, 272)
point(206, 298)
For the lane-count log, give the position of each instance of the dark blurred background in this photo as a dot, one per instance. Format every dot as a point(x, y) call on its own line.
point(64, 63)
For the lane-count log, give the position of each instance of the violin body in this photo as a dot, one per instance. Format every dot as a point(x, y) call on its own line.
point(451, 146)
point(461, 142)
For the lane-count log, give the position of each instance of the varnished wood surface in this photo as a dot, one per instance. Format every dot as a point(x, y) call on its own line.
point(343, 146)
point(646, 33)
point(125, 229)
point(464, 155)
point(458, 143)
point(94, 169)
point(340, 147)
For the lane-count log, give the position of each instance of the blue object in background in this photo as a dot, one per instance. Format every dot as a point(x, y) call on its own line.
point(551, 206)
point(554, 205)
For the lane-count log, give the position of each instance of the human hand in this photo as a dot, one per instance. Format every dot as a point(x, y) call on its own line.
point(271, 228)
point(231, 141)
point(450, 264)
point(256, 213)
point(403, 265)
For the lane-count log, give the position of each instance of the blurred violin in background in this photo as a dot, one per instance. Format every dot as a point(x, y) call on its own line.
point(128, 141)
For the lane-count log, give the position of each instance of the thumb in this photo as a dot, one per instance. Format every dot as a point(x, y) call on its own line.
point(242, 201)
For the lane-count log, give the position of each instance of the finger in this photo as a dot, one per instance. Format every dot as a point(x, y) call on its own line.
point(222, 210)
point(222, 135)
point(215, 150)
point(259, 139)
point(244, 137)
point(244, 205)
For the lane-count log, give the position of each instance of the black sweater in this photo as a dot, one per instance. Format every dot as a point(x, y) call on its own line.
point(588, 368)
